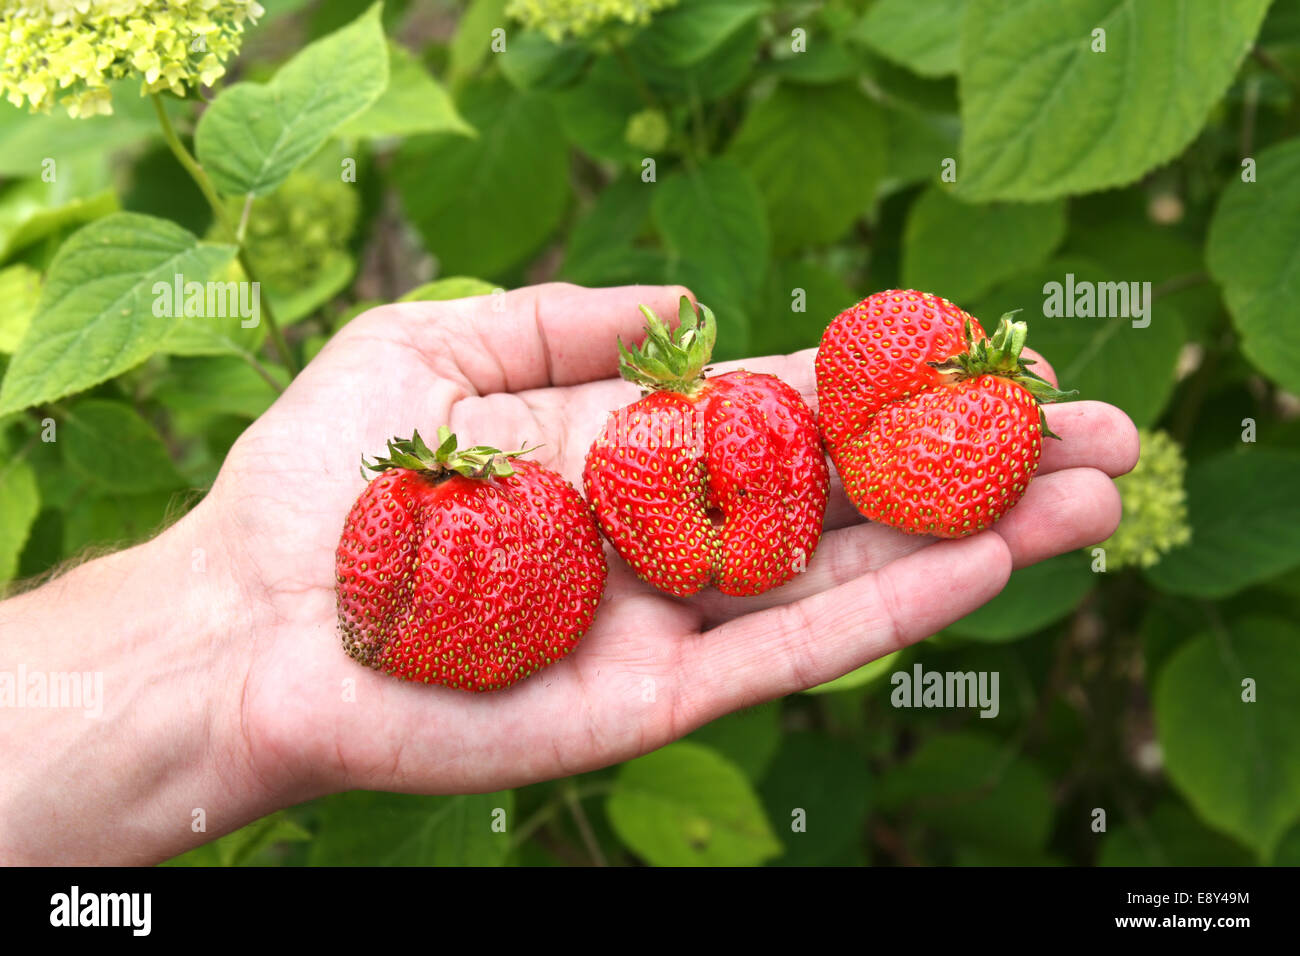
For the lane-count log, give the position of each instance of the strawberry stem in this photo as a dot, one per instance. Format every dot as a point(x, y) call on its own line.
point(671, 360)
point(1000, 355)
point(480, 461)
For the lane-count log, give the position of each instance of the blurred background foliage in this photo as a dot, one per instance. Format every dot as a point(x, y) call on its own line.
point(798, 150)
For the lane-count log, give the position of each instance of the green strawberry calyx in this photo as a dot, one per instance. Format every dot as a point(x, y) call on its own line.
point(671, 360)
point(1000, 354)
point(480, 461)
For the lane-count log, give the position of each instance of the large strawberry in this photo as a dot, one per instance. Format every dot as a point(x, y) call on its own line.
point(933, 427)
point(468, 568)
point(707, 480)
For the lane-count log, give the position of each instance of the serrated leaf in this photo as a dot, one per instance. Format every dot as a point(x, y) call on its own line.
point(778, 327)
point(608, 228)
point(816, 154)
point(364, 828)
point(254, 135)
point(485, 204)
point(1034, 597)
point(20, 501)
point(1245, 520)
point(1237, 762)
point(96, 316)
point(1045, 116)
point(1250, 252)
point(962, 250)
point(923, 37)
point(115, 449)
point(413, 102)
point(684, 805)
point(1106, 359)
point(594, 113)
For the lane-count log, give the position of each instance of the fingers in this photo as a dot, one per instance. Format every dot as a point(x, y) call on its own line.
point(786, 649)
point(1060, 512)
point(552, 334)
point(1093, 434)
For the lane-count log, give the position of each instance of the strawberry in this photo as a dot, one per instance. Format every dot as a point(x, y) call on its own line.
point(718, 480)
point(933, 427)
point(467, 568)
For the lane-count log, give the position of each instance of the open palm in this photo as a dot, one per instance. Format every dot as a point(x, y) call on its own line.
point(532, 367)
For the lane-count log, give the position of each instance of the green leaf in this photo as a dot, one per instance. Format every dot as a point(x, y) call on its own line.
point(974, 789)
point(297, 303)
point(364, 828)
point(413, 102)
point(821, 786)
point(254, 135)
point(748, 738)
point(685, 34)
point(473, 39)
point(32, 210)
point(533, 61)
point(608, 229)
point(919, 142)
point(860, 677)
point(1033, 598)
point(924, 37)
point(960, 250)
point(684, 805)
point(1250, 252)
point(96, 316)
point(1170, 836)
point(20, 290)
point(712, 218)
point(112, 447)
point(1106, 359)
point(778, 328)
point(1237, 762)
point(247, 846)
point(218, 385)
point(1245, 520)
point(115, 520)
point(27, 141)
point(594, 113)
point(816, 154)
point(721, 72)
point(452, 287)
point(1045, 116)
point(20, 501)
point(483, 205)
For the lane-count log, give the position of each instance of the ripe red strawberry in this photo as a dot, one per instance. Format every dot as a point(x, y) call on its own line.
point(465, 568)
point(933, 428)
point(702, 481)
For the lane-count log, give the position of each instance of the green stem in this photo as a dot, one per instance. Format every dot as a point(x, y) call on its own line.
point(223, 217)
point(261, 370)
point(574, 800)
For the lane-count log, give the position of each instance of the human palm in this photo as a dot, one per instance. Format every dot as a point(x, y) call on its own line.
point(535, 367)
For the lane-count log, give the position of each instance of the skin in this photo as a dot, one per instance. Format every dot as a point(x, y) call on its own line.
point(226, 689)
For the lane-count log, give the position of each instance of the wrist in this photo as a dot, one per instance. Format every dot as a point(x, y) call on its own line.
point(126, 744)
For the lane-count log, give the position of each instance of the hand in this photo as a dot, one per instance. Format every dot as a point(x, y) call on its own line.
point(652, 667)
point(225, 680)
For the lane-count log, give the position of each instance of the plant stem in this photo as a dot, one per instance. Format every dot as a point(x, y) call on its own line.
point(574, 800)
point(219, 211)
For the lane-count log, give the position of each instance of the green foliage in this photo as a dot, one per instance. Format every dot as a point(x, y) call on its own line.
point(783, 161)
